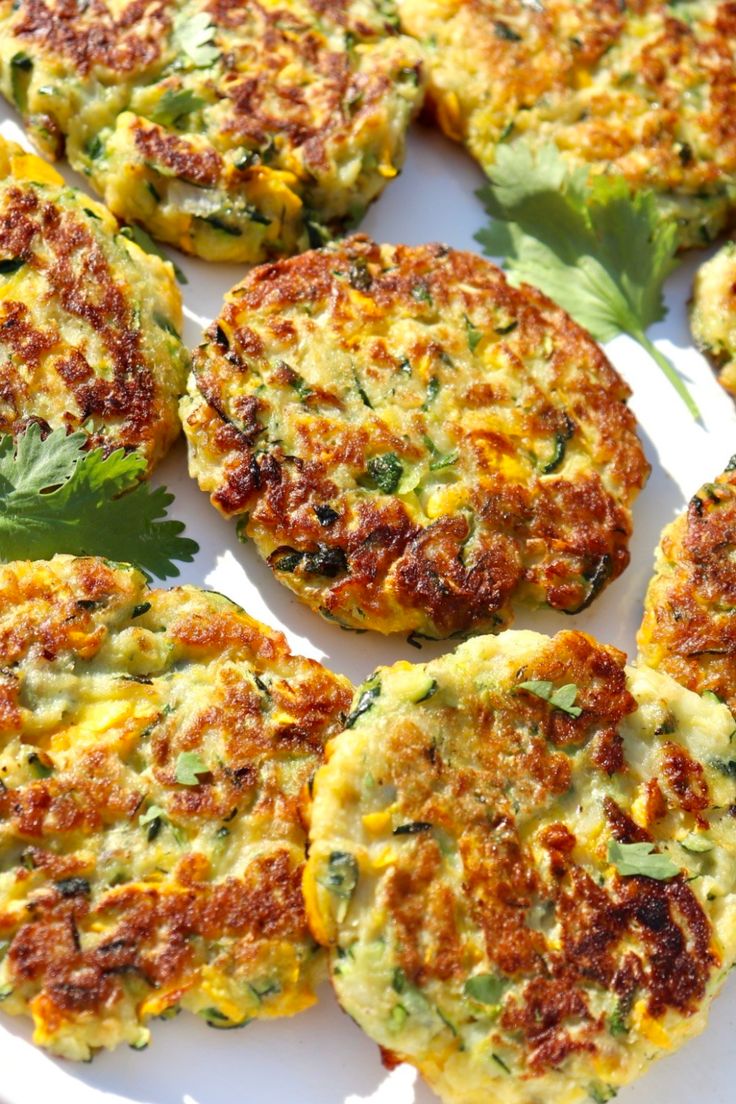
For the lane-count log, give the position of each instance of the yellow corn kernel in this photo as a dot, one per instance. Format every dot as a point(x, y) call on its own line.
point(376, 822)
point(159, 1002)
point(386, 857)
point(449, 116)
point(650, 1028)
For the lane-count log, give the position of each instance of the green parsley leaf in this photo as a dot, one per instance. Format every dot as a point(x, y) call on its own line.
point(697, 843)
point(641, 858)
point(188, 767)
point(153, 812)
point(55, 497)
point(148, 245)
point(386, 471)
point(563, 699)
point(598, 250)
point(175, 105)
point(194, 35)
point(473, 334)
point(485, 988)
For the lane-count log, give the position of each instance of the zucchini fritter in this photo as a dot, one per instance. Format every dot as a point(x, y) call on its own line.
point(154, 746)
point(646, 89)
point(689, 625)
point(412, 443)
point(523, 860)
point(89, 323)
point(234, 129)
point(713, 313)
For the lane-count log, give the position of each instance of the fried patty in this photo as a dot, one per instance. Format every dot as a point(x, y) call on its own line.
point(523, 860)
point(154, 746)
point(689, 625)
point(234, 129)
point(89, 324)
point(410, 442)
point(646, 89)
point(713, 313)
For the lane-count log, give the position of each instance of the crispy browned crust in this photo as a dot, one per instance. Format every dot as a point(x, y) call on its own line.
point(689, 625)
point(94, 36)
point(160, 931)
point(554, 539)
point(78, 284)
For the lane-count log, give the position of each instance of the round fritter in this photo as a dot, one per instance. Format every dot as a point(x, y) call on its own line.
point(689, 625)
point(523, 858)
point(154, 746)
point(713, 312)
point(411, 442)
point(645, 88)
point(234, 129)
point(89, 322)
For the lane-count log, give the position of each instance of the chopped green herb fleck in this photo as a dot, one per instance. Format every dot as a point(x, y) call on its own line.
point(386, 471)
point(640, 859)
point(188, 767)
point(485, 988)
point(174, 106)
point(697, 844)
point(145, 242)
point(433, 389)
point(563, 699)
point(474, 335)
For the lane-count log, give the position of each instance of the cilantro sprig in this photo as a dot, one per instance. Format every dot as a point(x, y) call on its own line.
point(56, 497)
point(598, 250)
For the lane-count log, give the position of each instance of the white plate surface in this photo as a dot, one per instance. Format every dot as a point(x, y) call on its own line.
point(320, 1056)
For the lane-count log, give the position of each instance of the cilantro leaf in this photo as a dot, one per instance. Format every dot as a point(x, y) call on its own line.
point(485, 988)
point(194, 36)
point(188, 767)
point(175, 105)
point(55, 497)
point(641, 858)
point(598, 250)
point(563, 699)
point(697, 843)
point(148, 245)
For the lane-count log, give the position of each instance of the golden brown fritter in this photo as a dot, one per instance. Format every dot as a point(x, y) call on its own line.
point(89, 323)
point(689, 626)
point(411, 443)
point(713, 313)
point(234, 129)
point(644, 88)
point(523, 860)
point(154, 752)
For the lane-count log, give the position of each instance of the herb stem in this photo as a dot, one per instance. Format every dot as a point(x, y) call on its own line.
point(668, 369)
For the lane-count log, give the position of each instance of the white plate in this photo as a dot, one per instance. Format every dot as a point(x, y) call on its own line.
point(321, 1057)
